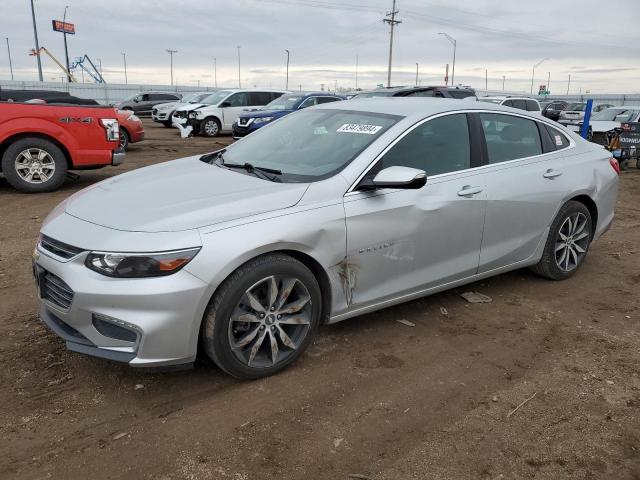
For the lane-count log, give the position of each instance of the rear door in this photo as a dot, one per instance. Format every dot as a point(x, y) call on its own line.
point(238, 102)
point(403, 241)
point(526, 182)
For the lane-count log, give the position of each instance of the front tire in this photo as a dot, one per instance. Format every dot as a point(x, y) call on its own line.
point(210, 127)
point(34, 165)
point(124, 139)
point(262, 317)
point(568, 242)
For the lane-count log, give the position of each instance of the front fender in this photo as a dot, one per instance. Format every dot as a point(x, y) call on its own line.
point(35, 125)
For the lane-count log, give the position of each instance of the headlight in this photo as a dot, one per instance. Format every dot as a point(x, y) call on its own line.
point(112, 129)
point(262, 120)
point(193, 114)
point(139, 265)
point(134, 118)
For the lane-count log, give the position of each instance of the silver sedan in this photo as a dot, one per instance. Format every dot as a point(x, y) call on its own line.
point(327, 213)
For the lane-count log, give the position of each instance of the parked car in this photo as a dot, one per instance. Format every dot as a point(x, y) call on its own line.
point(39, 143)
point(163, 112)
point(551, 109)
point(131, 128)
point(143, 103)
point(524, 103)
point(573, 114)
point(426, 91)
point(251, 121)
point(217, 113)
point(603, 123)
point(329, 213)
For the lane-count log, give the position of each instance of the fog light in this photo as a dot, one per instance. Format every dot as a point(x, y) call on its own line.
point(114, 328)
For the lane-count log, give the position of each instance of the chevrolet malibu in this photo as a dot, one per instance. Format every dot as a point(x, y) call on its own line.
point(326, 214)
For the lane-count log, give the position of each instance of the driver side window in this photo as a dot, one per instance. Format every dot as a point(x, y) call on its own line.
point(240, 99)
point(437, 146)
point(309, 102)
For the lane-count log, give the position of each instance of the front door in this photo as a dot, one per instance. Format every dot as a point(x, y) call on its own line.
point(404, 241)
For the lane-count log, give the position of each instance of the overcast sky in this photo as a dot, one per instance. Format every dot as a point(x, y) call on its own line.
point(596, 42)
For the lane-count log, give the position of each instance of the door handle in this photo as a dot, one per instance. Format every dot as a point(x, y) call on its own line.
point(551, 174)
point(468, 190)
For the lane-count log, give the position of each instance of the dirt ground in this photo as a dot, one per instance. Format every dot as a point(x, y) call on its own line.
point(371, 399)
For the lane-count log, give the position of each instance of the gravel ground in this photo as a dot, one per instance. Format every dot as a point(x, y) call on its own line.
point(372, 398)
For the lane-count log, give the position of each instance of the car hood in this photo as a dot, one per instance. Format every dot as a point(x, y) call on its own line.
point(179, 195)
point(603, 125)
point(265, 113)
point(162, 106)
point(187, 107)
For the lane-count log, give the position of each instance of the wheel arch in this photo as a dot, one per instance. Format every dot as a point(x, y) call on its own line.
point(19, 136)
point(588, 202)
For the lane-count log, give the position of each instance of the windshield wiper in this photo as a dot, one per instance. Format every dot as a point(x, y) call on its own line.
point(261, 172)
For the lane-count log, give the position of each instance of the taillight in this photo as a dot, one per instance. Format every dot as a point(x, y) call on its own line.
point(112, 129)
point(614, 163)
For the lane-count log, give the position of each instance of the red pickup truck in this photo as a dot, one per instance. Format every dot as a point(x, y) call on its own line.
point(40, 143)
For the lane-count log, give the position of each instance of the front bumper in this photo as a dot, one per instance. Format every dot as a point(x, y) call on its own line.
point(163, 313)
point(160, 116)
point(239, 132)
point(117, 157)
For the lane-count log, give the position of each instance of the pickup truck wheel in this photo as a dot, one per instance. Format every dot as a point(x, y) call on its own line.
point(124, 139)
point(34, 165)
point(210, 127)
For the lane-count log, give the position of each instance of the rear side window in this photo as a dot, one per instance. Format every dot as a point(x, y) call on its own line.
point(259, 98)
point(508, 103)
point(437, 146)
point(322, 100)
point(460, 93)
point(421, 93)
point(509, 137)
point(532, 106)
point(558, 138)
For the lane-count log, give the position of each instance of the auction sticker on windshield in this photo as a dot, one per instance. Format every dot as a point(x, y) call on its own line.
point(358, 128)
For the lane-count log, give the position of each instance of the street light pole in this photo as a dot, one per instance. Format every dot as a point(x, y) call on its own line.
point(171, 52)
point(35, 34)
point(503, 83)
point(568, 84)
point(9, 53)
point(533, 72)
point(356, 71)
point(416, 74)
point(239, 83)
point(215, 72)
point(455, 45)
point(287, 85)
point(66, 50)
point(124, 57)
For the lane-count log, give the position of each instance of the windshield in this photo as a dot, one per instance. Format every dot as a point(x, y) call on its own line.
point(195, 97)
point(310, 145)
point(576, 107)
point(610, 114)
point(285, 102)
point(376, 93)
point(497, 101)
point(216, 97)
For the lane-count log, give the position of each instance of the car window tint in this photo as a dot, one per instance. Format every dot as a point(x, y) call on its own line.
point(240, 99)
point(509, 137)
point(322, 100)
point(421, 93)
point(437, 146)
point(558, 138)
point(508, 103)
point(519, 104)
point(309, 102)
point(532, 106)
point(275, 95)
point(460, 93)
point(259, 98)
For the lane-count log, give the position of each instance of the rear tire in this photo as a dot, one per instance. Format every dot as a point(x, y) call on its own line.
point(280, 300)
point(210, 127)
point(567, 244)
point(34, 165)
point(124, 139)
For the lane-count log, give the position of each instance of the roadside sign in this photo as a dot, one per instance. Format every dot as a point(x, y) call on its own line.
point(630, 136)
point(64, 27)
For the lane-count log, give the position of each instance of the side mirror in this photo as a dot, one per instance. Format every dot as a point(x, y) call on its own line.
point(225, 104)
point(396, 177)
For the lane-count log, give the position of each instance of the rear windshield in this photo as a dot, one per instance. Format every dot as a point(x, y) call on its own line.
point(610, 114)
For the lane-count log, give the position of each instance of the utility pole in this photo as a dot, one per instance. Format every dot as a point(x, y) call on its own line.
point(9, 53)
point(486, 80)
point(66, 50)
point(335, 88)
point(239, 83)
point(503, 83)
point(356, 71)
point(568, 84)
point(35, 34)
point(171, 52)
point(124, 57)
point(300, 87)
point(287, 84)
point(392, 22)
point(215, 73)
point(548, 81)
point(416, 74)
point(533, 72)
point(455, 45)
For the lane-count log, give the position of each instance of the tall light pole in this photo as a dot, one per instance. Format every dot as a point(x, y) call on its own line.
point(486, 80)
point(568, 84)
point(455, 45)
point(356, 71)
point(9, 53)
point(66, 50)
point(416, 74)
point(239, 83)
point(35, 34)
point(171, 52)
point(503, 83)
point(215, 73)
point(548, 81)
point(287, 85)
point(392, 22)
point(124, 57)
point(533, 72)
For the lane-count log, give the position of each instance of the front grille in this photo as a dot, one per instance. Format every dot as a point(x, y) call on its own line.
point(59, 248)
point(244, 122)
point(53, 289)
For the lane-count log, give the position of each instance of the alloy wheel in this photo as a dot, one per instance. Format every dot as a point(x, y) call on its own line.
point(211, 128)
point(571, 242)
point(270, 321)
point(35, 165)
